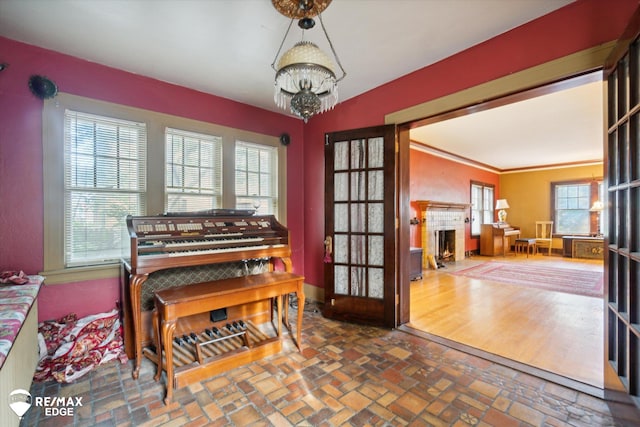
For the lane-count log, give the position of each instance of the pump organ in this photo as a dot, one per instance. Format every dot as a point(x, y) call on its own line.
point(177, 249)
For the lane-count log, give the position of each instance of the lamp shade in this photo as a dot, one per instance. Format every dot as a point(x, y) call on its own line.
point(502, 204)
point(305, 53)
point(305, 80)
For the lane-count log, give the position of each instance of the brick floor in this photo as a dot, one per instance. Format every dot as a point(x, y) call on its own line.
point(346, 375)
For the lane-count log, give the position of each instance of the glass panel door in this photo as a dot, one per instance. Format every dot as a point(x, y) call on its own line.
point(622, 230)
point(359, 207)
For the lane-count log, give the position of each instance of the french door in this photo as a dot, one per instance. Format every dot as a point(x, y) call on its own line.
point(622, 172)
point(360, 226)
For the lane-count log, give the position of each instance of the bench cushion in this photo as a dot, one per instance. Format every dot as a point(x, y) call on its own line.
point(15, 303)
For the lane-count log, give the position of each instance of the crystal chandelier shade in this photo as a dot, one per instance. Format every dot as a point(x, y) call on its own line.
point(305, 82)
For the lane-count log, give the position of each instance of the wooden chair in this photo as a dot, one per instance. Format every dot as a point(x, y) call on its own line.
point(544, 234)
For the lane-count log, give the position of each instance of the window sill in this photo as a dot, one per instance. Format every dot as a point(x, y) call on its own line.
point(81, 274)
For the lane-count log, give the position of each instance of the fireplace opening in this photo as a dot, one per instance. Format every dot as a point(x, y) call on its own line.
point(449, 218)
point(446, 246)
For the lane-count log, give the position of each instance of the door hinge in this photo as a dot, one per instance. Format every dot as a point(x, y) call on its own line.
point(397, 299)
point(397, 147)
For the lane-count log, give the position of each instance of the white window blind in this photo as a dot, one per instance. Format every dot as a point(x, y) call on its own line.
point(104, 180)
point(256, 177)
point(194, 171)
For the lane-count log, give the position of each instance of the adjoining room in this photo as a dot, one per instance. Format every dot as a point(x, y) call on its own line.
point(535, 324)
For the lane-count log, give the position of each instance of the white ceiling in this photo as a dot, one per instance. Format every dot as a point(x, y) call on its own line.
point(555, 129)
point(226, 47)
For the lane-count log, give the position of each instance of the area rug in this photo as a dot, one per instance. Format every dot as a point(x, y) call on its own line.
point(567, 280)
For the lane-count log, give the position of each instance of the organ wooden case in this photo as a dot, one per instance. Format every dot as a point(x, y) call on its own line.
point(172, 250)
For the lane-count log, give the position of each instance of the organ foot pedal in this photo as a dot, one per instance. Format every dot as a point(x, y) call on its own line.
point(213, 350)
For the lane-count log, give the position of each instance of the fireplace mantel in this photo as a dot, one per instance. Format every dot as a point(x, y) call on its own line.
point(432, 204)
point(442, 216)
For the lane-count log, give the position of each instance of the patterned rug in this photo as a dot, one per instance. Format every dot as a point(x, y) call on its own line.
point(568, 280)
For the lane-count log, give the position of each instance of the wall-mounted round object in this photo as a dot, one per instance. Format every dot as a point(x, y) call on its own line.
point(285, 139)
point(42, 87)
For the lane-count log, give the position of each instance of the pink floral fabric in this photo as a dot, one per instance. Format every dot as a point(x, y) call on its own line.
point(75, 346)
point(15, 303)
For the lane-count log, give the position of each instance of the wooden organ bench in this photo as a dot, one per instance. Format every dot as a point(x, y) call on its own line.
point(215, 350)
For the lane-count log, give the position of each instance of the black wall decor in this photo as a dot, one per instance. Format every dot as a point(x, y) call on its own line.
point(42, 87)
point(285, 139)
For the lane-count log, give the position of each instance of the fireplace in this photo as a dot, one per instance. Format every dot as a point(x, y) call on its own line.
point(445, 245)
point(443, 231)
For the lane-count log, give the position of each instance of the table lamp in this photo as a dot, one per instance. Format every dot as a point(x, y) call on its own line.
point(502, 205)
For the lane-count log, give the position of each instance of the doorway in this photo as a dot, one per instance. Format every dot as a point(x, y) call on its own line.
point(450, 292)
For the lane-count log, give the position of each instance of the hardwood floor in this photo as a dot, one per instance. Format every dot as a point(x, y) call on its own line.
point(552, 331)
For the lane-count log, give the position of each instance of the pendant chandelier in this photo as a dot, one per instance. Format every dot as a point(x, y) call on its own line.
point(305, 80)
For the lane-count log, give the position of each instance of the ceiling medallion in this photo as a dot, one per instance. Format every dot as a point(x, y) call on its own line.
point(298, 9)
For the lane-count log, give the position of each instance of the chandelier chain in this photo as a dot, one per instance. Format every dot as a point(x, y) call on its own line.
point(273, 64)
point(344, 73)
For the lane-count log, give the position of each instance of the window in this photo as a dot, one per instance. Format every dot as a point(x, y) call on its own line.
point(104, 180)
point(256, 180)
point(194, 171)
point(481, 206)
point(571, 206)
point(104, 161)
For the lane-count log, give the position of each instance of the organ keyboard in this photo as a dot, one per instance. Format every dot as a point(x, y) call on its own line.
point(189, 240)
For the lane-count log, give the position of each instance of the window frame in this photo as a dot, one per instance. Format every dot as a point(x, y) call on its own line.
point(483, 185)
point(272, 178)
point(102, 177)
point(216, 168)
point(53, 173)
point(596, 186)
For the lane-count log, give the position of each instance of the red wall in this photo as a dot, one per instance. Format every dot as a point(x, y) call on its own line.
point(442, 180)
point(21, 190)
point(578, 26)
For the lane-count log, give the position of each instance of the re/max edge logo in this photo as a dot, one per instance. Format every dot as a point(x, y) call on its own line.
point(20, 401)
point(58, 406)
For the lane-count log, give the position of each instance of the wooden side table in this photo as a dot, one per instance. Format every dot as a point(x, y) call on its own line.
point(525, 244)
